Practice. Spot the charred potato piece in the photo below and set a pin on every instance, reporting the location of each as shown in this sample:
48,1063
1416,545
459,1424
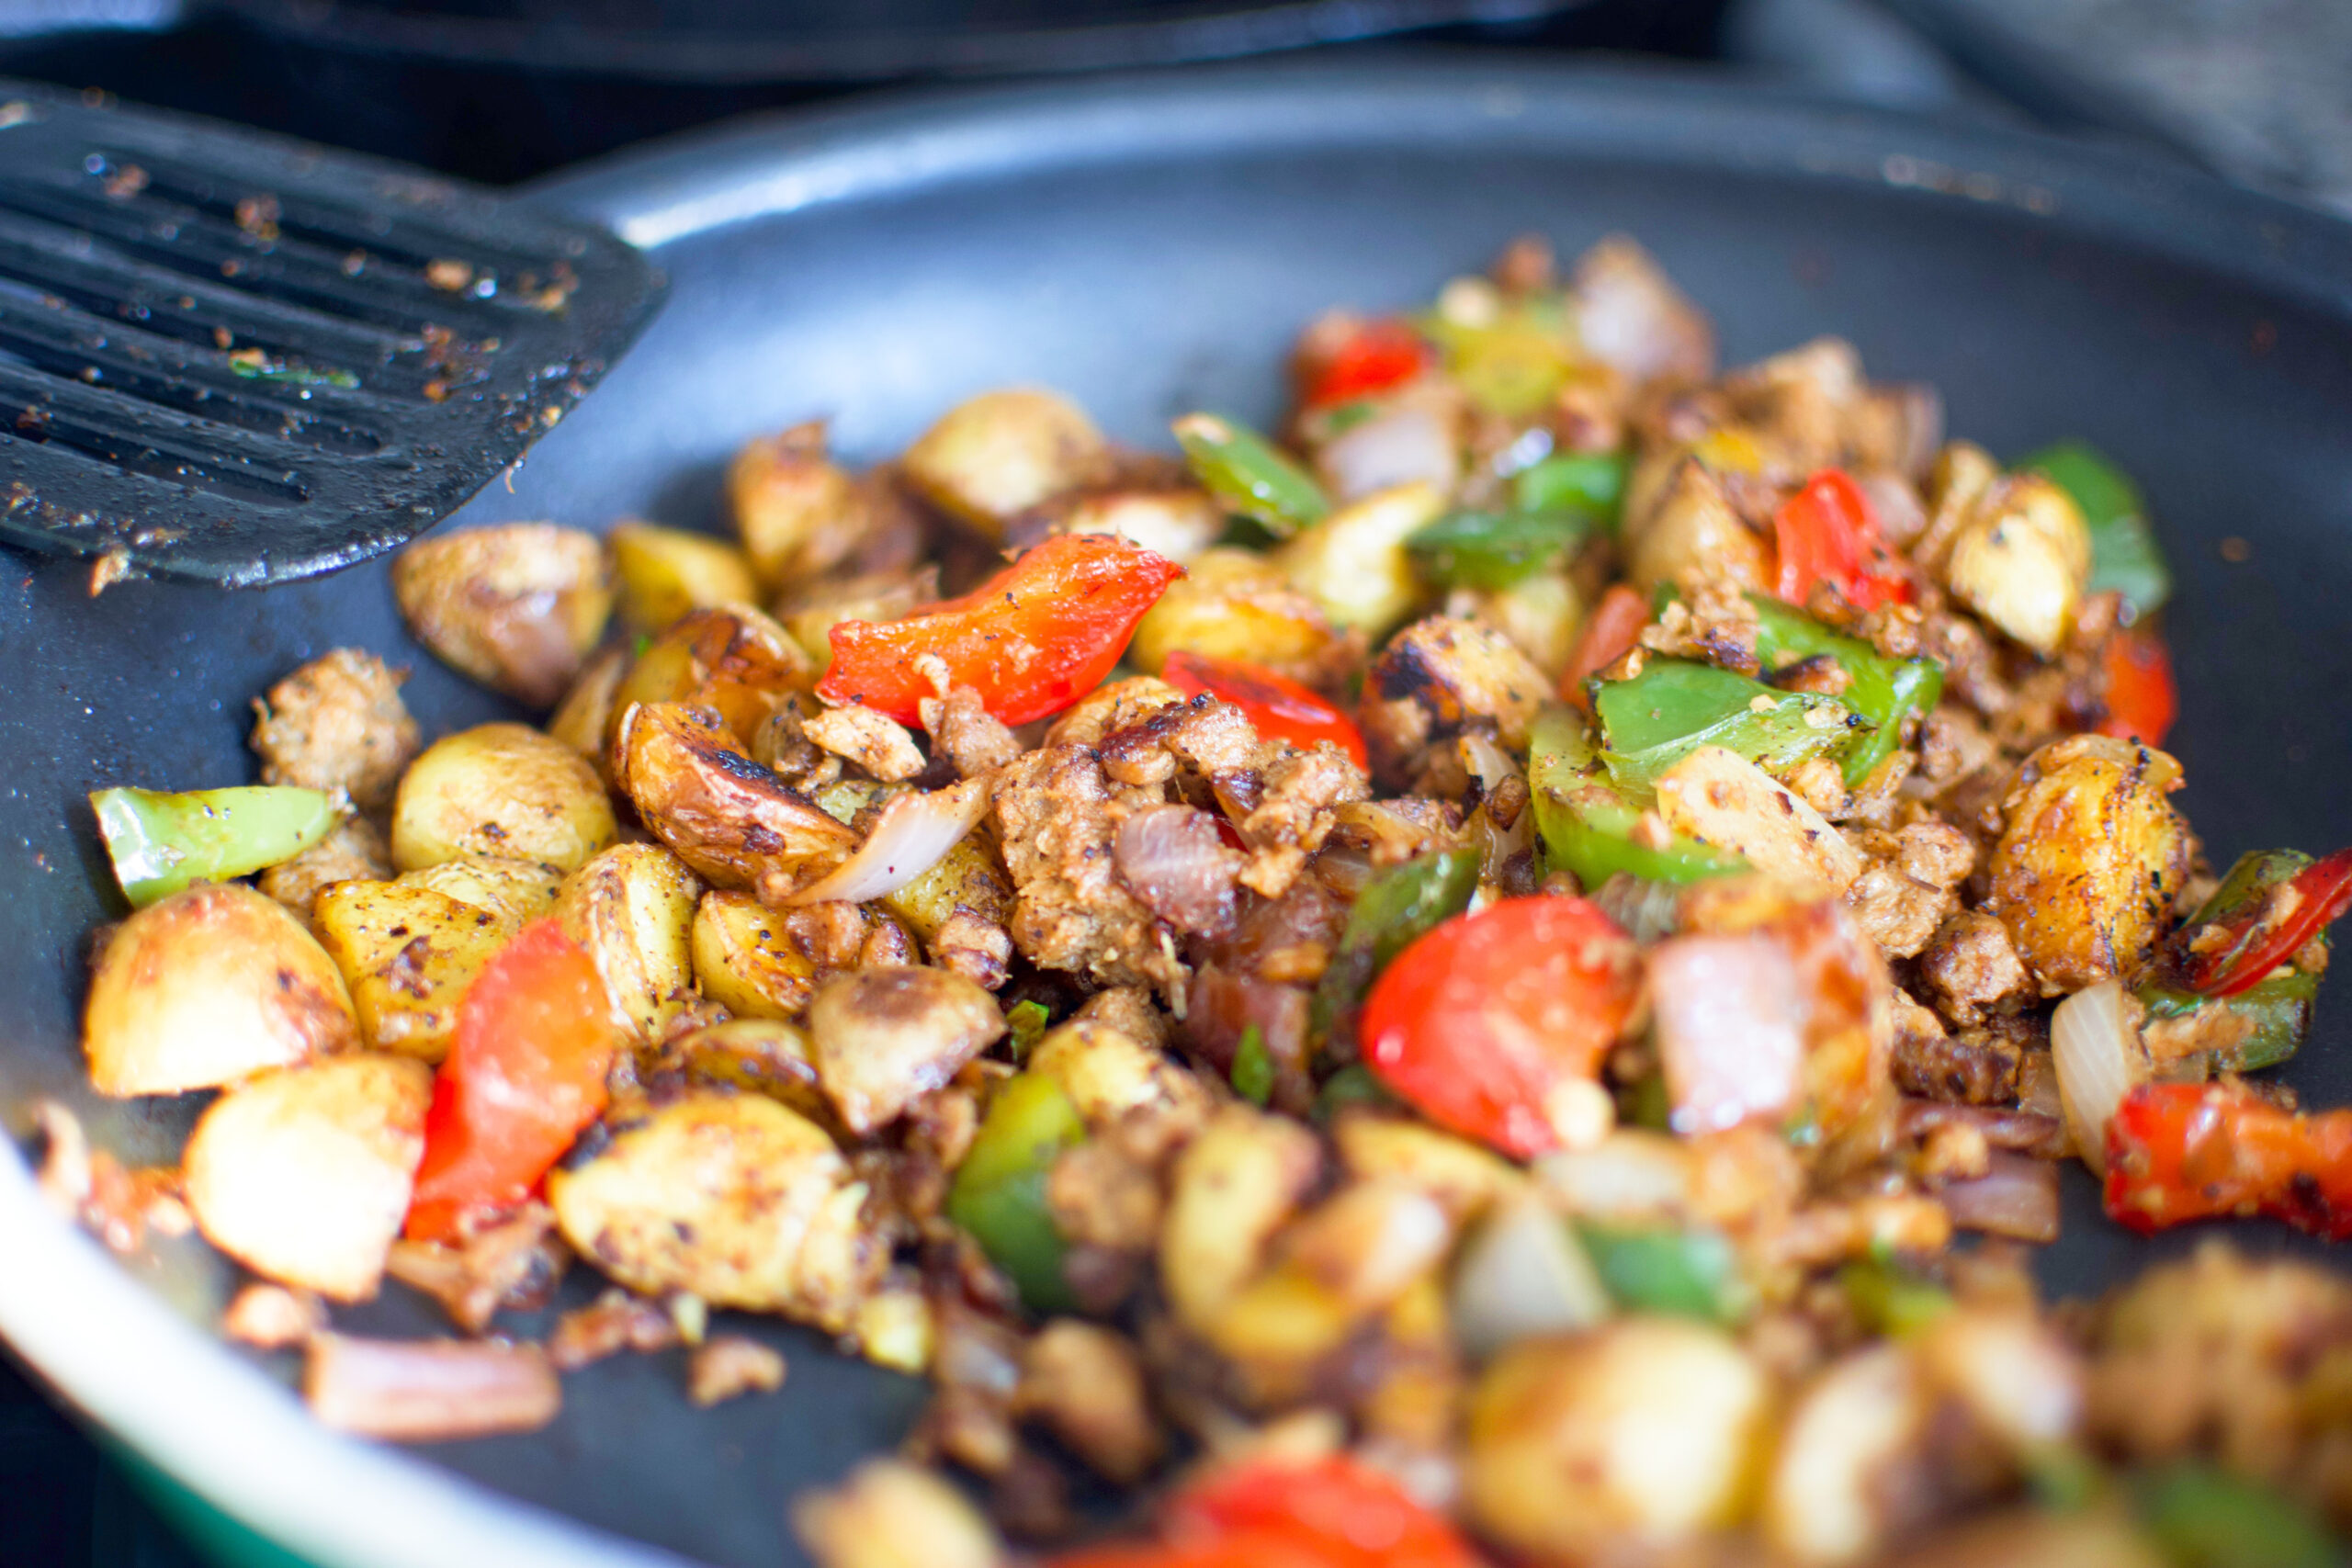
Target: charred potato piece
664,572
630,910
1353,563
1233,1186
731,658
995,455
303,1174
732,1198
745,961
760,1056
2091,859
1631,317
1851,1429
811,612
1643,1432
797,513
337,723
206,987
1437,677
734,822
501,792
884,1038
2022,559
516,606
515,891
1236,604
1107,1071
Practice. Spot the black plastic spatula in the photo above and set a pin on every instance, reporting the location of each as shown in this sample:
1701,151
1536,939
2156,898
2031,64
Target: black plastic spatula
232,358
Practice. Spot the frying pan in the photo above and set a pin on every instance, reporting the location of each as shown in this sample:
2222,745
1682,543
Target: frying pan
1150,243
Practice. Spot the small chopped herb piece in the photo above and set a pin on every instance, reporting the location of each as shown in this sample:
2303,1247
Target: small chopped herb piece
1253,1067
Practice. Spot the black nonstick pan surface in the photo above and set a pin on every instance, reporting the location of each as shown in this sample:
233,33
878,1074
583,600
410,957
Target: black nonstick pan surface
1149,244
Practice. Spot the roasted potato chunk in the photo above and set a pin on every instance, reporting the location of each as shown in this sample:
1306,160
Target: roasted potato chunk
585,720
1693,538
1540,615
664,572
630,908
1236,604
2022,559
890,1514
1440,676
303,1174
206,987
735,822
337,723
971,877
995,455
762,1055
516,606
501,792
1642,1431
731,658
797,513
1233,1186
1353,563
732,1198
2090,860
1177,523
1107,1071
1719,797
409,948
745,961
885,1037
811,612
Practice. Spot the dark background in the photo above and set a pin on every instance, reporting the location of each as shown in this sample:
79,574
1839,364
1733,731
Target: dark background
375,75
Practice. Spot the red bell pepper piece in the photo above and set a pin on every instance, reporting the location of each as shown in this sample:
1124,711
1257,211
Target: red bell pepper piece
2141,700
1482,1021
1829,533
1279,709
524,1074
1032,639
2262,938
1323,1513
1378,355
2177,1152
1615,625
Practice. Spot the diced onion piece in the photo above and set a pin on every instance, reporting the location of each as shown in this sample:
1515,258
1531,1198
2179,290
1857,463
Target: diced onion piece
429,1391
914,833
1397,448
2016,1197
1730,1021
1522,1274
2100,1060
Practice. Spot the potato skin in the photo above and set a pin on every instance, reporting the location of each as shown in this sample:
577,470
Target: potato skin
208,986
730,658
1233,1186
661,573
1645,1430
501,792
995,455
516,606
759,1055
1235,603
733,1198
2090,860
797,513
585,720
885,1037
630,908
744,960
736,823
303,1174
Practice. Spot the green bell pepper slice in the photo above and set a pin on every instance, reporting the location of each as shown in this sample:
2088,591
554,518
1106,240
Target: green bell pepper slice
1248,475
1495,549
2271,1018
2124,553
1884,692
1661,1268
1586,823
1394,907
2200,1517
1889,1299
1586,484
999,1195
1675,705
163,842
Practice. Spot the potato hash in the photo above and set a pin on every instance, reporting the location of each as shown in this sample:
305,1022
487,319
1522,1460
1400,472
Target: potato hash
1503,973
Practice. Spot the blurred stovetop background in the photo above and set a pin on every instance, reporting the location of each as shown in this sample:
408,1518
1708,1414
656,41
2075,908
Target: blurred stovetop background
2258,91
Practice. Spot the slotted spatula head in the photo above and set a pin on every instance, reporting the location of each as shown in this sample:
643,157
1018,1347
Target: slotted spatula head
232,358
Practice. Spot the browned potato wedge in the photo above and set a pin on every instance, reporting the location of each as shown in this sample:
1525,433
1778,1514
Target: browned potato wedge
744,960
2022,559
1233,1186
1107,1071
797,513
303,1174
970,876
516,606
732,1198
661,573
501,792
2091,859
1643,1432
206,987
1542,615
998,455
1355,564
732,821
731,658
1236,604
1440,675
1179,523
884,1038
812,611
410,947
584,720
761,1055
1693,537
515,891
630,908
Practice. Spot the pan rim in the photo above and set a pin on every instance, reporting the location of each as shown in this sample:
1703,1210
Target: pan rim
171,1391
